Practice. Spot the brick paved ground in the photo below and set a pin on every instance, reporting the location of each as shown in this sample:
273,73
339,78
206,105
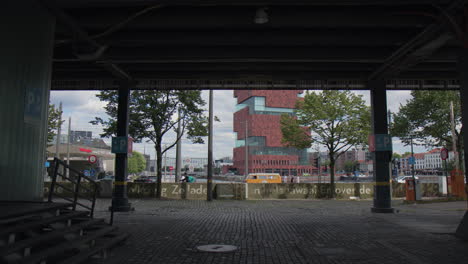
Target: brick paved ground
284,231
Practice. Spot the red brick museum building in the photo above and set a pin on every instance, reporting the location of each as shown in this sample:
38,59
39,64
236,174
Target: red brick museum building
257,115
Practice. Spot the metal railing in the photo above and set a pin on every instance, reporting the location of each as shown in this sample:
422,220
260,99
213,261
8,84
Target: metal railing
78,193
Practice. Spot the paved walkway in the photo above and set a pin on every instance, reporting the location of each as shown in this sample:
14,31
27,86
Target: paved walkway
284,231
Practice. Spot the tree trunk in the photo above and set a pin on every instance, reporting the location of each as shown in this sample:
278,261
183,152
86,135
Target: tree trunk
159,170
332,175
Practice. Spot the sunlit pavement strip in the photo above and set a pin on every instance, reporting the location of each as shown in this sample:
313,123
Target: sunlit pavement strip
285,231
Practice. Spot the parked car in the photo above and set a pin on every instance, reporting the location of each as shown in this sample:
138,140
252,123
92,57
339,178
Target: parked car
402,179
142,179
109,177
152,178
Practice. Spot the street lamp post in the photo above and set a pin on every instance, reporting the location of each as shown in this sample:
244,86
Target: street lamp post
246,150
412,168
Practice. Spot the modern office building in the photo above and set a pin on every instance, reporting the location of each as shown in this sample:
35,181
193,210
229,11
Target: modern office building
77,136
190,163
257,122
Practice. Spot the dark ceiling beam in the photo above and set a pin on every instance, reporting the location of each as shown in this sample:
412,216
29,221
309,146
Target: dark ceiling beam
244,53
83,36
422,46
191,18
257,55
128,3
280,74
318,67
298,37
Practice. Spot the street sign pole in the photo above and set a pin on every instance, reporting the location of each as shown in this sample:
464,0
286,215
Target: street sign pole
444,155
446,178
412,168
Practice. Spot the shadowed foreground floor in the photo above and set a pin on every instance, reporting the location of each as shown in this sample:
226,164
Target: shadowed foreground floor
281,231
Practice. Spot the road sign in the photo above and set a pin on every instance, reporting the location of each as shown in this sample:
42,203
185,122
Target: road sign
411,161
119,145
87,173
122,145
92,159
380,142
444,154
33,101
92,172
171,168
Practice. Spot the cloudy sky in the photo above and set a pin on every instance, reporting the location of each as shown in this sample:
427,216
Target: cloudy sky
83,106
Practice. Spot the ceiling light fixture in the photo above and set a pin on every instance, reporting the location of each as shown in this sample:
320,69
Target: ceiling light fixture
261,16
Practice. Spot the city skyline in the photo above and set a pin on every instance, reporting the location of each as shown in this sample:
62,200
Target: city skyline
83,106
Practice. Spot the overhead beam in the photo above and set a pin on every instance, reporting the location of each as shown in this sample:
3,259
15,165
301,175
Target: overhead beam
266,37
255,54
421,46
82,35
286,17
385,3
279,74
253,83
217,54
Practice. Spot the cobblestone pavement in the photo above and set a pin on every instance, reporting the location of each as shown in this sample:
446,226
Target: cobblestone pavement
286,231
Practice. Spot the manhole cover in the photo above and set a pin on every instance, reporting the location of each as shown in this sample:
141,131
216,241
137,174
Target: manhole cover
217,248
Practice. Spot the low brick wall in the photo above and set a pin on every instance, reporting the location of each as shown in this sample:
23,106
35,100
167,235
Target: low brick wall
259,191
308,191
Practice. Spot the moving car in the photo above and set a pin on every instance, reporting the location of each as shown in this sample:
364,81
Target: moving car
263,178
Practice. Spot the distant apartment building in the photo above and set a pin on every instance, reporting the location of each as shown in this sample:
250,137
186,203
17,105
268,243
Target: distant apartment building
258,133
425,161
358,155
77,136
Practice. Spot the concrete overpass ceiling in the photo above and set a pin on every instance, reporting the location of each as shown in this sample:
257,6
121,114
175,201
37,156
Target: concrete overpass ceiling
302,40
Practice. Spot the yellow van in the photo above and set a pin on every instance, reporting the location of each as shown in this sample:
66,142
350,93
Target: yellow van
263,178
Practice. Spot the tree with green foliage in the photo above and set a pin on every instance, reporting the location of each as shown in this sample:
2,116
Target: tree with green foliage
337,120
350,166
426,119
153,114
54,122
136,163
406,154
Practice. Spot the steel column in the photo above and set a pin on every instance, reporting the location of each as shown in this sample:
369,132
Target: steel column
382,192
119,198
209,185
462,230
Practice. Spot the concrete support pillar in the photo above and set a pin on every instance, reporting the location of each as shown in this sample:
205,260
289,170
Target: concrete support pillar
26,46
462,230
119,199
382,193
